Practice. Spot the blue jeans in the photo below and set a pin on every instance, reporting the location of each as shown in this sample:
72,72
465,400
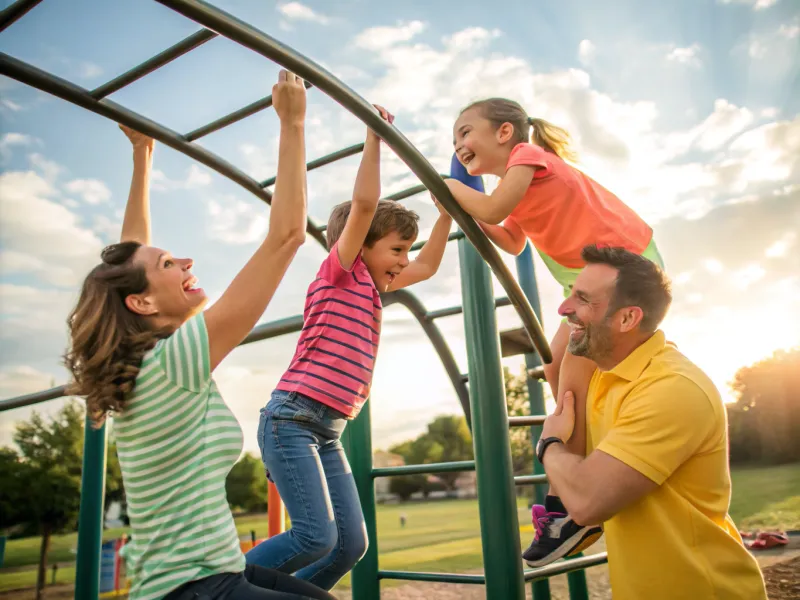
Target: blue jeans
300,447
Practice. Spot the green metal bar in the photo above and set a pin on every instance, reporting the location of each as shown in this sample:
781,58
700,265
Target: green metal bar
530,479
456,235
434,577
526,274
457,310
323,160
496,497
446,467
567,566
15,12
357,442
90,517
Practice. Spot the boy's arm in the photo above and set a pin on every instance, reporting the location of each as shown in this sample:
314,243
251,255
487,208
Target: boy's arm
492,209
366,193
509,237
429,258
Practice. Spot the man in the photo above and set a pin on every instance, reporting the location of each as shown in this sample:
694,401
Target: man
656,470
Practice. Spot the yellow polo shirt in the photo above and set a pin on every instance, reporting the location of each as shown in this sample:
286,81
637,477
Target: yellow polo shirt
661,415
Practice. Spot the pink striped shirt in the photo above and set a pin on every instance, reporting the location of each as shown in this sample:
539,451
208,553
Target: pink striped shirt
335,354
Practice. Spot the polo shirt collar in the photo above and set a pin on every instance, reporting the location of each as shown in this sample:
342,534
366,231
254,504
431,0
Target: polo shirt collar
636,362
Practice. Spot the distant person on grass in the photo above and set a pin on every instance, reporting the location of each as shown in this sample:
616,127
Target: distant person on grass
656,470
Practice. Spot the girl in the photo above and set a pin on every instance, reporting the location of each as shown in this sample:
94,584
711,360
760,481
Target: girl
561,210
142,347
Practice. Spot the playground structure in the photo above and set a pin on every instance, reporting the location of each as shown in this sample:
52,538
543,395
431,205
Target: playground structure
483,401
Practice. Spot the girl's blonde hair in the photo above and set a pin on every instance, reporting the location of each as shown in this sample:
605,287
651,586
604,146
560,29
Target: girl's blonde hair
544,134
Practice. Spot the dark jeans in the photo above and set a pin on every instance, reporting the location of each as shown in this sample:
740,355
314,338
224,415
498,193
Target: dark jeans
255,583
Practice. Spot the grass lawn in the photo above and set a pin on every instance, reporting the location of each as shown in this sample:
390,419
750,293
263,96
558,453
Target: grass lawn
445,535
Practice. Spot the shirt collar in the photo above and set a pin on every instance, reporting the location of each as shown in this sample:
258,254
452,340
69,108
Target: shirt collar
636,362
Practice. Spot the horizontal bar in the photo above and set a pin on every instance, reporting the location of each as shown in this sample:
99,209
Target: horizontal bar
456,235
198,38
457,310
426,469
79,96
34,398
566,566
232,118
530,479
526,421
250,37
15,12
323,160
432,577
537,373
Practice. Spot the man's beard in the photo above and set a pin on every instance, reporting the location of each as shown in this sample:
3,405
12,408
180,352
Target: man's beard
595,343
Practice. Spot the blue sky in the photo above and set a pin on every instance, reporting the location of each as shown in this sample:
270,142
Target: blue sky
687,109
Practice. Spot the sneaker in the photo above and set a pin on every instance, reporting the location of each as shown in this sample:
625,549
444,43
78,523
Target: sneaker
557,536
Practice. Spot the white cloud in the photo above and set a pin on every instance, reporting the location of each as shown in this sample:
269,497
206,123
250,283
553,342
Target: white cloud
93,191
781,246
234,221
376,38
34,309
712,265
296,11
195,177
769,113
789,31
720,126
756,4
88,70
9,140
586,52
685,56
50,169
12,262
36,225
747,276
756,48
11,105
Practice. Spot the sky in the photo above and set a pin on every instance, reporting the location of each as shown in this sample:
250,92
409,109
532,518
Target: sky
688,110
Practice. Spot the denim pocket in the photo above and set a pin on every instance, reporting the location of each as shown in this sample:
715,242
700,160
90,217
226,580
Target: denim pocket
296,408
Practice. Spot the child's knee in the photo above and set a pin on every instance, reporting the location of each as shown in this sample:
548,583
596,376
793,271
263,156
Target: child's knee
318,544
353,549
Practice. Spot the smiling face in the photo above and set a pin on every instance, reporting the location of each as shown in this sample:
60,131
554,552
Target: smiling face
593,330
172,296
387,258
480,147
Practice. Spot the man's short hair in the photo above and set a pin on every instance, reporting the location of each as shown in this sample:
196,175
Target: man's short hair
389,216
640,282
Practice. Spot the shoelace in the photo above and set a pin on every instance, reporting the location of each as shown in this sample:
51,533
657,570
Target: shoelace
541,521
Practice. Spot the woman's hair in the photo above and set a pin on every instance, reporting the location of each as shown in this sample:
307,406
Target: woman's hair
107,340
542,133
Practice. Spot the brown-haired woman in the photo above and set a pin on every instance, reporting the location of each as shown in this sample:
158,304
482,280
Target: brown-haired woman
143,348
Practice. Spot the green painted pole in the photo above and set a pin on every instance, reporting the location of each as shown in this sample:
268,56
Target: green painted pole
527,281
496,493
357,442
90,518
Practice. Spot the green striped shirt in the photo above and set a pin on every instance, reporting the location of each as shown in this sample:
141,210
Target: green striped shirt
177,440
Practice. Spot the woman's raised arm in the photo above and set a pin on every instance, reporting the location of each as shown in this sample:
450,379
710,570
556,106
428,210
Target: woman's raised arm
136,224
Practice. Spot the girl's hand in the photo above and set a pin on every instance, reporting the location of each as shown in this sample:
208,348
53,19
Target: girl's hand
440,208
289,98
139,140
385,115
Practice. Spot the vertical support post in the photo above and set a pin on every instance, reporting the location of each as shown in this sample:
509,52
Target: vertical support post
90,519
276,515
526,274
357,442
497,503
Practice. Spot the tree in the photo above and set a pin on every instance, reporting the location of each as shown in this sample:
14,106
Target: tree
246,485
449,439
405,486
13,481
48,471
765,419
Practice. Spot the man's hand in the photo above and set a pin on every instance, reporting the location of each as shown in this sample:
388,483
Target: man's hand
139,140
561,423
289,98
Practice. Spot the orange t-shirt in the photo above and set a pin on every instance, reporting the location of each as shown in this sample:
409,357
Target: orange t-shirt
565,210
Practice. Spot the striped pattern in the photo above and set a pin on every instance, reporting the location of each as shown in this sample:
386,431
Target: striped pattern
336,352
177,441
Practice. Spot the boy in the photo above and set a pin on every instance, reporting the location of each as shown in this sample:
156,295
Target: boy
329,378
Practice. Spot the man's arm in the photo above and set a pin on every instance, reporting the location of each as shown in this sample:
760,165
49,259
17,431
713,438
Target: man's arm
595,488
429,258
494,208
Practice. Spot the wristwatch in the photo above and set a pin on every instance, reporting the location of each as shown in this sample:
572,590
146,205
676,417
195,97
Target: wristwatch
542,445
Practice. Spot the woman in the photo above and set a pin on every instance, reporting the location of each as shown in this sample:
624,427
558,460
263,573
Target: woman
143,348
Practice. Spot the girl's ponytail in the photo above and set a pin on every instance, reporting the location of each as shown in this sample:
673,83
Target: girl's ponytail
552,138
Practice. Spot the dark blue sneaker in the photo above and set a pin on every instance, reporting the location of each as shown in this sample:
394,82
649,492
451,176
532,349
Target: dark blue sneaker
557,536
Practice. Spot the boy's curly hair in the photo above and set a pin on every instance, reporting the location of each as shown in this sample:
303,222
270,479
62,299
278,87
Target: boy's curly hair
389,216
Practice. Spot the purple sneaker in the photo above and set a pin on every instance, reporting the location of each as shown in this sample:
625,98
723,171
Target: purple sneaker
557,536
